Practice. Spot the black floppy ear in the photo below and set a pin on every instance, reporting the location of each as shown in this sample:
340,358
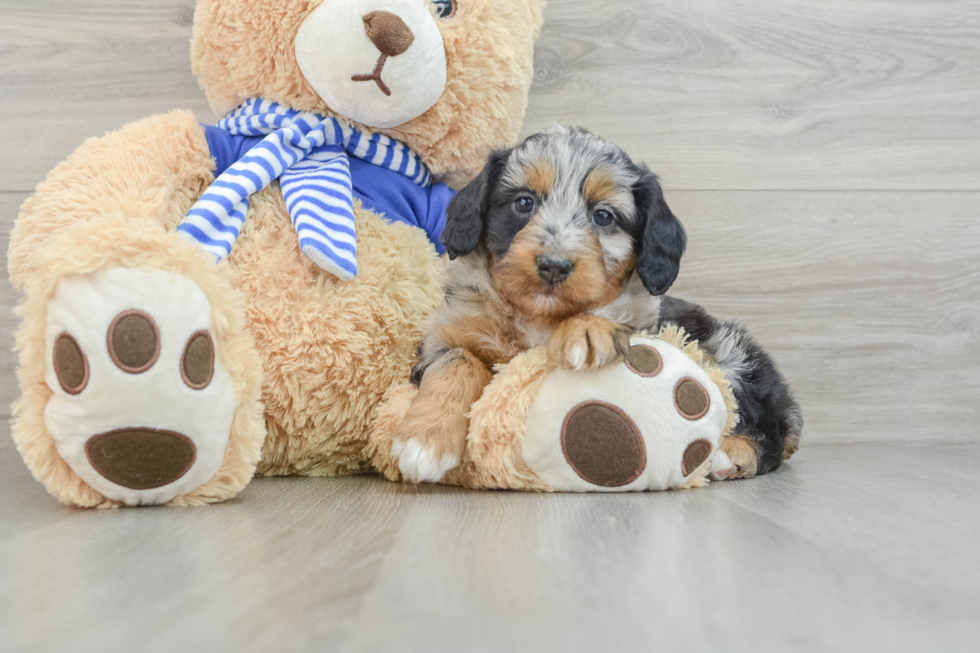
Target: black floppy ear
662,240
467,214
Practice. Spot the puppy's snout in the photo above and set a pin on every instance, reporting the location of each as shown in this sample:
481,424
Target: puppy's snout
553,269
388,32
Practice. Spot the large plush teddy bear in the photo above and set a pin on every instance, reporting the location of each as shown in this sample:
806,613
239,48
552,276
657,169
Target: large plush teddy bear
204,303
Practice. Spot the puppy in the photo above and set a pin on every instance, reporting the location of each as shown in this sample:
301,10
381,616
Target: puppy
565,242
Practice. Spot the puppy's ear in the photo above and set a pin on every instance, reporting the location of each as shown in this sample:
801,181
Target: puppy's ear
467,214
662,240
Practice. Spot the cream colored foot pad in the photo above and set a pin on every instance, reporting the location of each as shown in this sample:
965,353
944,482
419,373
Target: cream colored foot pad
142,407
652,422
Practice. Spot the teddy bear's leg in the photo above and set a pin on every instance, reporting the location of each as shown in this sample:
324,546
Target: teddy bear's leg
140,384
432,437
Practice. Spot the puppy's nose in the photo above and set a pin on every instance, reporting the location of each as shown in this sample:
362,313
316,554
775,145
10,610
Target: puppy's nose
554,270
388,32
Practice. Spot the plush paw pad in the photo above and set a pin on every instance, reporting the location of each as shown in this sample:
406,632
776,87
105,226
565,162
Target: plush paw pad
70,364
652,422
603,445
141,407
141,459
133,341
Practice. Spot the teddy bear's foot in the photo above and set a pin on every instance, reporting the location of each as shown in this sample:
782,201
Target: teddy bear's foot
652,422
142,406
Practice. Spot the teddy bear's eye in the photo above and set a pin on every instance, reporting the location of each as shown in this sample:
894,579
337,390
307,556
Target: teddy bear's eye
445,8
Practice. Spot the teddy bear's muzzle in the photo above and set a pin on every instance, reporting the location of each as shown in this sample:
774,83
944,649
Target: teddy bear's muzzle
380,63
391,36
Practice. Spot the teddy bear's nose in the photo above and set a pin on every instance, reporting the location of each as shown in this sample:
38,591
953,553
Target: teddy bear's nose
388,32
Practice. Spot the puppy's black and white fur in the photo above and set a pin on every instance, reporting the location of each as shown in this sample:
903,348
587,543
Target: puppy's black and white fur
565,242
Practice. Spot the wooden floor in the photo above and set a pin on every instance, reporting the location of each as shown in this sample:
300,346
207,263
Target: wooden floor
825,158
849,548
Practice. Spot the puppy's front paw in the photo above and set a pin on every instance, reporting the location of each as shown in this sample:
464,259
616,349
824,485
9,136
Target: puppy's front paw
588,342
736,458
427,447
421,463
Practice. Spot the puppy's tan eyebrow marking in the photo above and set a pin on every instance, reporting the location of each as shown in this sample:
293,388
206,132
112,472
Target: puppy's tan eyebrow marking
598,186
540,177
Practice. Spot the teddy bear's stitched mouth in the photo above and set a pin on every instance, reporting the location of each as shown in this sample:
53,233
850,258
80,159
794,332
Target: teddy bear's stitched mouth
391,36
375,76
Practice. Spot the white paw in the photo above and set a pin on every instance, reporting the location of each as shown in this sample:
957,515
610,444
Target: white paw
420,465
721,466
142,405
576,357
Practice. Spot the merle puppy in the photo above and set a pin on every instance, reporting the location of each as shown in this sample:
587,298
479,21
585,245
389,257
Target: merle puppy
565,242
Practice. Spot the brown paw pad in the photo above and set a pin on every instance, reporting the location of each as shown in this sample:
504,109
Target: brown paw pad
134,341
197,362
691,399
644,360
70,364
603,445
141,458
696,453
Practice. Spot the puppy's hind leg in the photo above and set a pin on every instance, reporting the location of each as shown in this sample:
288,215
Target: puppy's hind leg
431,439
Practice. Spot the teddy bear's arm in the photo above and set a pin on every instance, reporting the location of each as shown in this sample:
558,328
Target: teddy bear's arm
151,169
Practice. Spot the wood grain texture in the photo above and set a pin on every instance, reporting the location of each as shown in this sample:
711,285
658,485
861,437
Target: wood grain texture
73,70
851,94
848,548
835,94
9,389
870,302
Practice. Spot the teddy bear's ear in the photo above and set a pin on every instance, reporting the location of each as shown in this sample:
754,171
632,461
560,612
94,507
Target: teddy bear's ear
467,214
663,239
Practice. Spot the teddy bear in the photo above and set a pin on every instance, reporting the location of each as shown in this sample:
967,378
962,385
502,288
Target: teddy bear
653,421
201,304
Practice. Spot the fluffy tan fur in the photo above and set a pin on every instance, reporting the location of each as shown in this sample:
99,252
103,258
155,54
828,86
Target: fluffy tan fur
330,350
492,341
438,417
104,229
244,49
122,241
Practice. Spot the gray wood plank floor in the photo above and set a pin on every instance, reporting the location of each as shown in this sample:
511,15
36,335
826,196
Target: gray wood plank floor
847,548
825,157
796,94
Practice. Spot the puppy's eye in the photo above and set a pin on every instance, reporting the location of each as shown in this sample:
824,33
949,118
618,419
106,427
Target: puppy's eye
524,205
602,218
444,8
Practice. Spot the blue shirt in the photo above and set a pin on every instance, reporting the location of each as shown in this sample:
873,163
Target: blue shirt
393,196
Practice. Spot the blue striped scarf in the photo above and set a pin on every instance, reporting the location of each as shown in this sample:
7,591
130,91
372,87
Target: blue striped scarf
308,154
